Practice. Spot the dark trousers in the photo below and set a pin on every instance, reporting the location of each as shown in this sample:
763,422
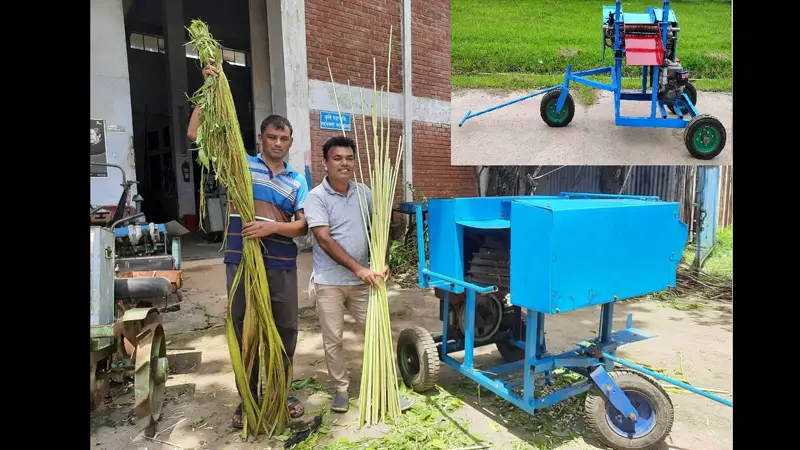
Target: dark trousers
283,296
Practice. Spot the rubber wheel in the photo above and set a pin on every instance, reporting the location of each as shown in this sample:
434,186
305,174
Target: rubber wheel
654,409
691,91
704,137
417,359
548,109
512,353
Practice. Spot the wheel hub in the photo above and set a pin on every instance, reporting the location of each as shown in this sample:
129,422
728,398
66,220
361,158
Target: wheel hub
645,419
556,116
410,360
706,139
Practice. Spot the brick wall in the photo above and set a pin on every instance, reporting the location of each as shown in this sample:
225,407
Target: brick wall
433,175
318,138
350,36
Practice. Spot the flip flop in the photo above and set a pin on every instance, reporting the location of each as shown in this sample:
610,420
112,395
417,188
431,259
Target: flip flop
237,421
296,409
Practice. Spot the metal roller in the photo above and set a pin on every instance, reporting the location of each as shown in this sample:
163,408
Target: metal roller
140,287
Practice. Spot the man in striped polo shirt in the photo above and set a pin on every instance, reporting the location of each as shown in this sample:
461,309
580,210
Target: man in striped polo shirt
279,193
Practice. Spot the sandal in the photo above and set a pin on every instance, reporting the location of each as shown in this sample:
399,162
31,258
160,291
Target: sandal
296,409
237,421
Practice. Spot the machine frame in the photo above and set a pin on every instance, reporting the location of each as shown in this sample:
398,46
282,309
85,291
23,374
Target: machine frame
610,409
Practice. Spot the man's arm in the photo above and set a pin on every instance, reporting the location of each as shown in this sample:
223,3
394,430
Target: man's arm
194,124
194,121
296,228
300,225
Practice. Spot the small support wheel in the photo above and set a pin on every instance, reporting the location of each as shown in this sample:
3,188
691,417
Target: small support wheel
417,359
704,137
653,406
548,109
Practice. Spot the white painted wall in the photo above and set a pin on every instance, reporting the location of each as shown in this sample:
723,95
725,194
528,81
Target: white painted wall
110,96
321,97
260,57
286,26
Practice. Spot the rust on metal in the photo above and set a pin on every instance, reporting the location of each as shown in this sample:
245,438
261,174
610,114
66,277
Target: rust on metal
175,277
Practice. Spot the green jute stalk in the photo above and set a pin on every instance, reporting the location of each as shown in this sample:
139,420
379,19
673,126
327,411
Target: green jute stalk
220,146
379,396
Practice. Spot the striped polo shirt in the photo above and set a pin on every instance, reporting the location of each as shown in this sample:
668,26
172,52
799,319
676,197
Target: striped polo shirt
277,198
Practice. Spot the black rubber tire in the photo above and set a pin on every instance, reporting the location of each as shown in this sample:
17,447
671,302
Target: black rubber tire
512,353
422,372
550,100
691,91
596,411
694,125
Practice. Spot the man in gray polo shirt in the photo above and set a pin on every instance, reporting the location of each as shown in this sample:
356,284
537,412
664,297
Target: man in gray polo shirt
341,275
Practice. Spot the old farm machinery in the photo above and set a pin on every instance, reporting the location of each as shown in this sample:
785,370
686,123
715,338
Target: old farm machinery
127,338
648,40
500,265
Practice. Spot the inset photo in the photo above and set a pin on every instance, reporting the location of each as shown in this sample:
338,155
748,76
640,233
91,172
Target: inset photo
592,82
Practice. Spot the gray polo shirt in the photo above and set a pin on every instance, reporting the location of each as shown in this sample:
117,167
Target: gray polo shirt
326,207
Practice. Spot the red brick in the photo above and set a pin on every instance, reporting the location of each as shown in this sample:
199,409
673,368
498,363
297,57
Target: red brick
351,34
433,175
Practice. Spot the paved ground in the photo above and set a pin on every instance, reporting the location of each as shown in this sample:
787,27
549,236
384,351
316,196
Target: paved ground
201,395
516,134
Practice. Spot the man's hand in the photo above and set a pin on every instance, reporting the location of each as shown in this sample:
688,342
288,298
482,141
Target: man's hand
209,70
370,276
258,229
385,273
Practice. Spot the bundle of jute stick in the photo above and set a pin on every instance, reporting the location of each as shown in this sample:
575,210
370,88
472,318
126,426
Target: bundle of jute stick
220,146
379,396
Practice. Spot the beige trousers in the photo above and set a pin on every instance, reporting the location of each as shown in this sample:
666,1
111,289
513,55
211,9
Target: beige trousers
331,303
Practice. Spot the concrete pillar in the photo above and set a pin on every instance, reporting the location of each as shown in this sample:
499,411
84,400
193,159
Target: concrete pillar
175,39
110,98
260,64
286,26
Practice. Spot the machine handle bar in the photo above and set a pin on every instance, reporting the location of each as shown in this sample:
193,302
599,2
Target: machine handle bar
667,379
464,284
424,271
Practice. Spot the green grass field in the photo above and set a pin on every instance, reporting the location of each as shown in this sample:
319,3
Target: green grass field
509,44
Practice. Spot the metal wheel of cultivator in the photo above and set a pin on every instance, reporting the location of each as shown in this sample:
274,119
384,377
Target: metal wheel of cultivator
150,376
99,384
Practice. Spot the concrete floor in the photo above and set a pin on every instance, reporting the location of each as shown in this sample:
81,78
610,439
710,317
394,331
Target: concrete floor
516,134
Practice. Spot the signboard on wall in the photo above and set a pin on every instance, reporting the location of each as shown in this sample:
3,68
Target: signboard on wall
331,120
98,150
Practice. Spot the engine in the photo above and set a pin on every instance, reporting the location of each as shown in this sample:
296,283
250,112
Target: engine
673,78
141,240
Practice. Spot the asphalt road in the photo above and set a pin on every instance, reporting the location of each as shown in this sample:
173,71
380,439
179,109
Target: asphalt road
516,134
